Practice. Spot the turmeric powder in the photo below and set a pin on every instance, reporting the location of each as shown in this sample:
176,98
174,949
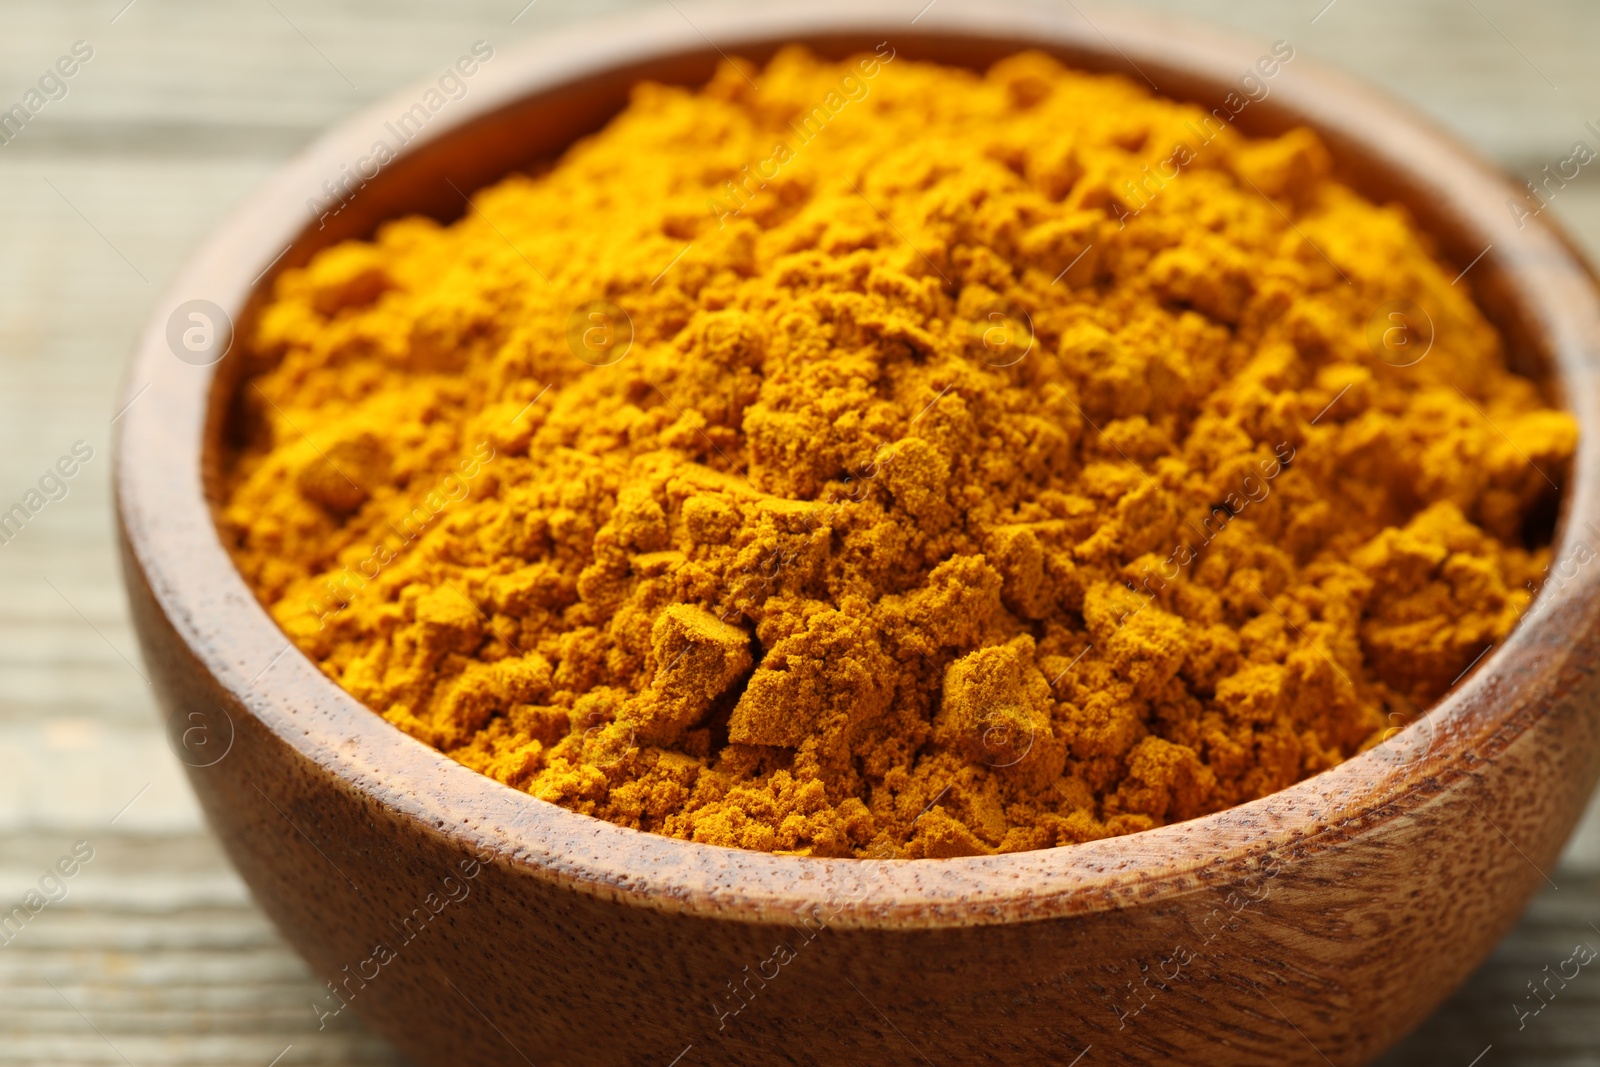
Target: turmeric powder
894,460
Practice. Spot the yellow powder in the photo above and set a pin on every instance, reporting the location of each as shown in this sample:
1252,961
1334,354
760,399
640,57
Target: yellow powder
894,460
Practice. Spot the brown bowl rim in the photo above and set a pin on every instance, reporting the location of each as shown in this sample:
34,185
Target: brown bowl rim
1548,308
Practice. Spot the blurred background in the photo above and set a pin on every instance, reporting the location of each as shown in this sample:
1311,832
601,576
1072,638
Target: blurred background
152,952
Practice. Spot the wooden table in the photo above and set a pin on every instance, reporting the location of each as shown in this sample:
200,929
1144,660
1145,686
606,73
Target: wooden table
156,954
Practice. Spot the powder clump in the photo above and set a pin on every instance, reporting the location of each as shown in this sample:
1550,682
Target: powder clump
894,461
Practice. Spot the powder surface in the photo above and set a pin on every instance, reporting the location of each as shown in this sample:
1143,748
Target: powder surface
894,460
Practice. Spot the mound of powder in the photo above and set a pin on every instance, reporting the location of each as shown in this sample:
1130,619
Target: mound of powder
894,460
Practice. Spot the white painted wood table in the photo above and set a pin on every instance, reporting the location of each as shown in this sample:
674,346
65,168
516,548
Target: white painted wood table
156,954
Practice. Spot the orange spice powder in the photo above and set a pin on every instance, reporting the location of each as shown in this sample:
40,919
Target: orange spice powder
894,460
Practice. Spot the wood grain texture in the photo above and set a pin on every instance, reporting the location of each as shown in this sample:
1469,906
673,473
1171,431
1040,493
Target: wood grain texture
186,107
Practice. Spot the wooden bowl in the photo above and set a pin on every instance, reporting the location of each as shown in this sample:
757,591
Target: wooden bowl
472,924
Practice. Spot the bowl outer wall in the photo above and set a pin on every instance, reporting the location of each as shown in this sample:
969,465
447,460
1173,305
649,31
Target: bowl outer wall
1515,742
